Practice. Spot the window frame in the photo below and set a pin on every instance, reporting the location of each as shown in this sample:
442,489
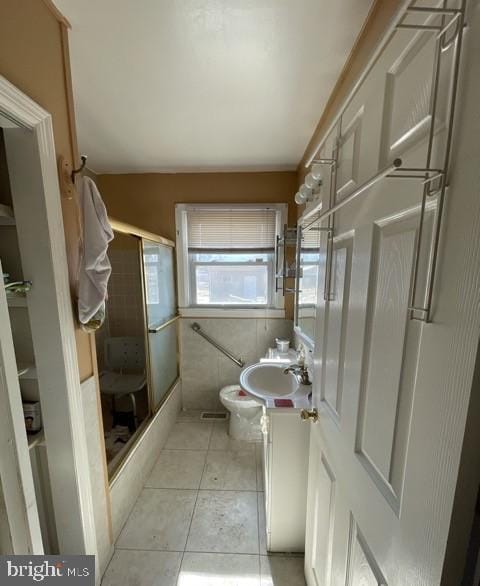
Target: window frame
270,271
186,280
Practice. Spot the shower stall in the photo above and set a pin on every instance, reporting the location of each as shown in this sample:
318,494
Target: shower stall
137,346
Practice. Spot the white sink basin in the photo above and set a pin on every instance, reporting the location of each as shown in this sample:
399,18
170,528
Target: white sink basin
267,381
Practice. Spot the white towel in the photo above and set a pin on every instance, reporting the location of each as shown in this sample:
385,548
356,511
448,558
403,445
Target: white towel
95,267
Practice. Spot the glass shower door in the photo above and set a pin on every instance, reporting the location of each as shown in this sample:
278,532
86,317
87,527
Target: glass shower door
161,313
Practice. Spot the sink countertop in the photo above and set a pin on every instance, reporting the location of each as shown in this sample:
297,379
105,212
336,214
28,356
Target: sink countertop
300,401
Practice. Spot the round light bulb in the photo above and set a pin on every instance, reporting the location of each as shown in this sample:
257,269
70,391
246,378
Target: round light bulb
305,191
299,198
316,172
310,181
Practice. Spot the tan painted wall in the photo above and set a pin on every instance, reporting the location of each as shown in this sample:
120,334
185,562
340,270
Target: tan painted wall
34,57
148,200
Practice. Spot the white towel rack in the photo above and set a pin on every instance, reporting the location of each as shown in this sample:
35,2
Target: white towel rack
434,180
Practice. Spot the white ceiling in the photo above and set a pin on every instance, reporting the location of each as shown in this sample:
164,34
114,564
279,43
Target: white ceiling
182,85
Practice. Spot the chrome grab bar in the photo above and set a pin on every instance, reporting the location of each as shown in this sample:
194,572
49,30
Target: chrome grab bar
238,361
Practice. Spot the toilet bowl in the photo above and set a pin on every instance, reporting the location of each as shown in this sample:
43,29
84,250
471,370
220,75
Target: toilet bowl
245,413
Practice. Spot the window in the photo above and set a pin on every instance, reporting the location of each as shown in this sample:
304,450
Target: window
309,266
226,255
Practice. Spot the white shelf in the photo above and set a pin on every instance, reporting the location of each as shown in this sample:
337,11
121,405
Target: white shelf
26,371
16,300
35,439
22,368
6,216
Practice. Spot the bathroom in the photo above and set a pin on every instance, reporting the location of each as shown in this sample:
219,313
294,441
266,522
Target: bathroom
239,324
235,318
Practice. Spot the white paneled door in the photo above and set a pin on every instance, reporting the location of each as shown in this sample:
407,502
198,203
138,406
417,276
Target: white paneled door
392,393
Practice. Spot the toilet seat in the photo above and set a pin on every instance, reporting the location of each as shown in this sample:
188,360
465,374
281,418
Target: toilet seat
232,393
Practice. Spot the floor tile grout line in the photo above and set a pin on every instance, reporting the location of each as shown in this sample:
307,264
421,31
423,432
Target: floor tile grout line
128,518
280,554
245,450
202,489
210,437
258,514
256,475
184,450
216,489
231,489
110,561
143,488
194,506
191,449
126,521
208,450
195,449
258,523
235,552
259,498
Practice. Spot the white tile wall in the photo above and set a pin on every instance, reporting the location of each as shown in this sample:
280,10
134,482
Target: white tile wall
204,370
98,478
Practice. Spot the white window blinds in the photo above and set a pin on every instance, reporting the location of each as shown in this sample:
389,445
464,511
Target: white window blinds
234,228
311,238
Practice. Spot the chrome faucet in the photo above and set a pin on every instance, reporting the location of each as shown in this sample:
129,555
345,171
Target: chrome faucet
300,372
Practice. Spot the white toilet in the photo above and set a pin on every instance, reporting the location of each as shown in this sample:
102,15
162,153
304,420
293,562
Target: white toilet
245,413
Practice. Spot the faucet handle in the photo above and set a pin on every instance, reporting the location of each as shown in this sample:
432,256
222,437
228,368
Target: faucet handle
300,371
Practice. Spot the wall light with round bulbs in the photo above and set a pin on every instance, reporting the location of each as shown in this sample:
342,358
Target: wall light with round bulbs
312,181
299,200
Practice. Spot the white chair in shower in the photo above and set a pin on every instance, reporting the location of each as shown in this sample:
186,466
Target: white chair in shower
125,370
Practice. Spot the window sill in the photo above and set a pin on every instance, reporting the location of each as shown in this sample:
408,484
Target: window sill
231,312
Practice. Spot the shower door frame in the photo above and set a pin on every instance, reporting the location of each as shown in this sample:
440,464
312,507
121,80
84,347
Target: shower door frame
141,235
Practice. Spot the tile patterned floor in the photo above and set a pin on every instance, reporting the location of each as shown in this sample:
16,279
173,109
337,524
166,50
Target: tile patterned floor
200,519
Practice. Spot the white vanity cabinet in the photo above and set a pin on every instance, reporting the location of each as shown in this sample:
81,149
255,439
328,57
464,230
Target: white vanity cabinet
285,460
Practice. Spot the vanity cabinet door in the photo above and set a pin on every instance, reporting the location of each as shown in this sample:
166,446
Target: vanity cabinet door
286,451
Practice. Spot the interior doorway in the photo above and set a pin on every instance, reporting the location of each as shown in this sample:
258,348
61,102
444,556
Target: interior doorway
45,507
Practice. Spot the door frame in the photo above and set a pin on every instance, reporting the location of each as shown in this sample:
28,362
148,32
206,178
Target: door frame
29,143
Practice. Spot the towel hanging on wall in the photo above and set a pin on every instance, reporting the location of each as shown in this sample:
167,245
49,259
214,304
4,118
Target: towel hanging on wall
95,267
